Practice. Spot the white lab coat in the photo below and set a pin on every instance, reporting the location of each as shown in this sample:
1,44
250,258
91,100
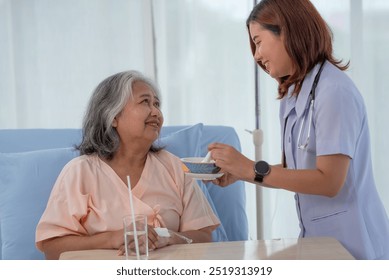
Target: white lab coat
356,216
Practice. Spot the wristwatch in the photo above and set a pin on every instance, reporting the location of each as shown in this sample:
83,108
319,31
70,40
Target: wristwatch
261,169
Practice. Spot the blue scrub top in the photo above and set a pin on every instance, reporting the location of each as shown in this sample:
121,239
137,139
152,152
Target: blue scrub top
355,216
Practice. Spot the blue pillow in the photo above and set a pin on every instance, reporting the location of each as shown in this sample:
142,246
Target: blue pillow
184,142
26,180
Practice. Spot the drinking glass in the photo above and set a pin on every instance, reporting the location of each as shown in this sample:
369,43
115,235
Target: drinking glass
136,244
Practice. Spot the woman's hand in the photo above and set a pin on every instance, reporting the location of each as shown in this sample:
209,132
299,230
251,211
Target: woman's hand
225,180
116,238
53,247
233,164
152,241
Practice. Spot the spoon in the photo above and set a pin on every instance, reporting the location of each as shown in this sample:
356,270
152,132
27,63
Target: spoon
207,158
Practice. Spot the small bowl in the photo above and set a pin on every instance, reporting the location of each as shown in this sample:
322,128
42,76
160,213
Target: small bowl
195,165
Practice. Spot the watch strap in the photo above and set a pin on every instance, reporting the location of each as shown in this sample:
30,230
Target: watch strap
258,178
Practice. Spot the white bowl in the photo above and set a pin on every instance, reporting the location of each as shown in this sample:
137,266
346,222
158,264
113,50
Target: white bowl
195,165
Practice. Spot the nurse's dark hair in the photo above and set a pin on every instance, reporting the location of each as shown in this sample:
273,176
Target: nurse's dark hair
307,37
107,101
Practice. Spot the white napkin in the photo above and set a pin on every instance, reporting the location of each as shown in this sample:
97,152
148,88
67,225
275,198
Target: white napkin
162,232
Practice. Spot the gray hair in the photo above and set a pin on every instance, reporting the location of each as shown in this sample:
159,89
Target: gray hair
107,101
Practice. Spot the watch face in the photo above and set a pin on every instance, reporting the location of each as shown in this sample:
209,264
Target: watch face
262,168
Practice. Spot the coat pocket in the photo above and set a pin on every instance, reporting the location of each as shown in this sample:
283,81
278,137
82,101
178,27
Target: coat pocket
329,215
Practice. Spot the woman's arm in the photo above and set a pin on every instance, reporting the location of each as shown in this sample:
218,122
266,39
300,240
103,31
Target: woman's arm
327,179
196,236
53,247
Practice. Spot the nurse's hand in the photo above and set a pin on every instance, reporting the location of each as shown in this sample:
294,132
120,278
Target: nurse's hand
233,164
225,180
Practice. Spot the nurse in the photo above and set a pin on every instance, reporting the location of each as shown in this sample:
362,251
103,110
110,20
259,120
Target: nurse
325,135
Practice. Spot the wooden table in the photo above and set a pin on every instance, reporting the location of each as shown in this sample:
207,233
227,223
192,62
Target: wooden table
275,249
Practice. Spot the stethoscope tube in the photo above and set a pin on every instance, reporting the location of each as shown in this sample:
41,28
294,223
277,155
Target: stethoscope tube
312,95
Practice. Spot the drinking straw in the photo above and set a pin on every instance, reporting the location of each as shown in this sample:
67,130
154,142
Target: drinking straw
133,218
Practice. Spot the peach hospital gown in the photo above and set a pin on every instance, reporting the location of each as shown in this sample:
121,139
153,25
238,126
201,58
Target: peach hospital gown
89,197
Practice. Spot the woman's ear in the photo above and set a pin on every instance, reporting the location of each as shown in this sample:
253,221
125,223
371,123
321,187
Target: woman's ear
114,122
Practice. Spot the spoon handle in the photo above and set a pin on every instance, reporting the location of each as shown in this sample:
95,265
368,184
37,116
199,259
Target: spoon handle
207,158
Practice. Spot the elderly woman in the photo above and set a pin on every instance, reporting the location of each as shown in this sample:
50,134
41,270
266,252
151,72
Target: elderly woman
91,194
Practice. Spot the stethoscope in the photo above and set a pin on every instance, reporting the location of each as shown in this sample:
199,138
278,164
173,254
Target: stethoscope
304,145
